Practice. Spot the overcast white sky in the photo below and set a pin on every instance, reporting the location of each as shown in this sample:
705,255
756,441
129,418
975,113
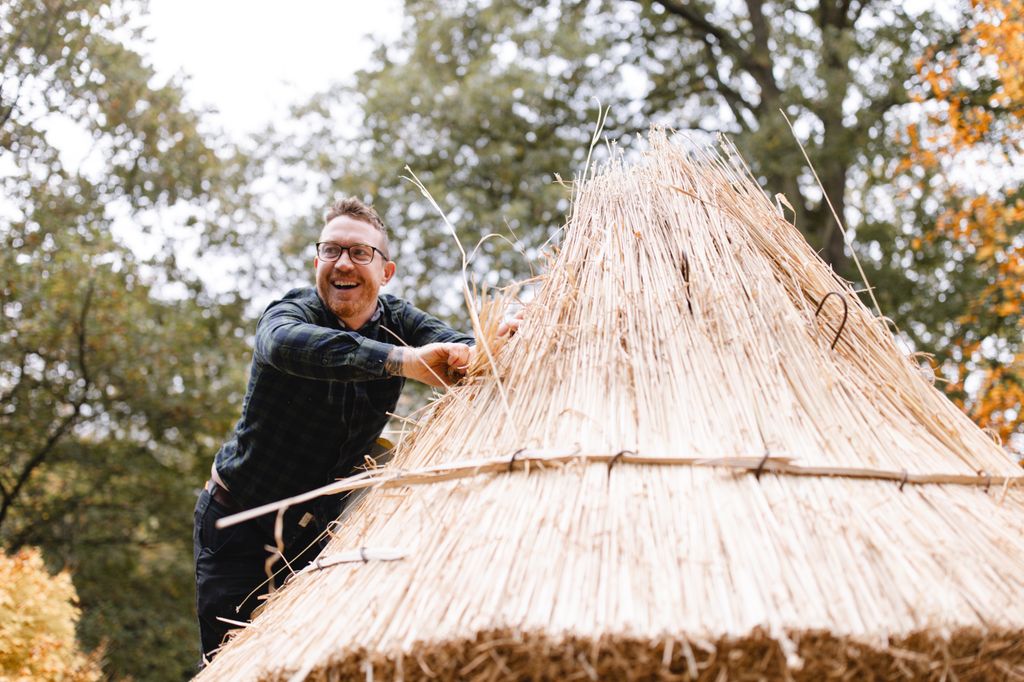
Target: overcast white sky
251,59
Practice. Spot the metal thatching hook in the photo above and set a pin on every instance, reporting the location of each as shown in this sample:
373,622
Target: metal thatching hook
760,467
512,459
616,457
904,481
846,313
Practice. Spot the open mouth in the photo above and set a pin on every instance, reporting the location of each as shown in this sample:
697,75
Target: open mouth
344,285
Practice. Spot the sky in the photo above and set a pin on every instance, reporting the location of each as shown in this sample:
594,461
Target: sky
248,61
251,59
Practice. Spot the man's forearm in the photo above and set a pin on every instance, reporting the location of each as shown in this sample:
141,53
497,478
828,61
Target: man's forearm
298,347
435,364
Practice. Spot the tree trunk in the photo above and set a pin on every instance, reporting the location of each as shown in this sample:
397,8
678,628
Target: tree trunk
833,179
838,143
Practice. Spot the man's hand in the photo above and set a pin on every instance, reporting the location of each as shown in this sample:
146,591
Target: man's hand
511,326
436,364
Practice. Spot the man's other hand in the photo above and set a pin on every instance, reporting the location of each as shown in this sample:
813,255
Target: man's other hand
511,325
436,364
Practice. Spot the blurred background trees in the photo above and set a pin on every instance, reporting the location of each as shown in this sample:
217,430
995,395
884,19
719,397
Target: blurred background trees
480,98
960,170
119,373
121,369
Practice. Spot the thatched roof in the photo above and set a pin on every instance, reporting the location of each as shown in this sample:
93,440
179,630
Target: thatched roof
686,480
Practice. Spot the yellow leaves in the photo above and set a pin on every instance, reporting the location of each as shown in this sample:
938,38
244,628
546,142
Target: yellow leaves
992,228
976,125
1001,400
1008,308
914,133
37,624
991,49
904,165
928,159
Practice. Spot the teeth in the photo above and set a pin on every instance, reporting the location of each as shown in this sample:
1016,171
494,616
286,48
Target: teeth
344,285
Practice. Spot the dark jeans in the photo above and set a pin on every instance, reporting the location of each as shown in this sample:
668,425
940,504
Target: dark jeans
230,563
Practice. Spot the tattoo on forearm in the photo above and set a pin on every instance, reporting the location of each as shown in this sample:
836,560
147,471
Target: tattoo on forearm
395,360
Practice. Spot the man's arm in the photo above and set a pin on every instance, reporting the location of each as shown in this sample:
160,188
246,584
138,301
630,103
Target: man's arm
422,361
289,342
423,328
436,364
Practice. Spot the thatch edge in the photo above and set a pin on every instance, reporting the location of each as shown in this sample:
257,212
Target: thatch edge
969,654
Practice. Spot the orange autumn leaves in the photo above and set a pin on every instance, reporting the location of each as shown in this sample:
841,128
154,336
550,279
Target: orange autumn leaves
969,146
38,613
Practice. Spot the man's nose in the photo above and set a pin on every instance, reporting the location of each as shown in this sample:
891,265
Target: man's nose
344,261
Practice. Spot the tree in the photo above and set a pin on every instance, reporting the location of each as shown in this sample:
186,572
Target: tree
487,102
959,175
484,130
37,623
119,375
839,68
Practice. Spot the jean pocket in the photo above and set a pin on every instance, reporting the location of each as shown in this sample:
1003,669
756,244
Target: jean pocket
211,537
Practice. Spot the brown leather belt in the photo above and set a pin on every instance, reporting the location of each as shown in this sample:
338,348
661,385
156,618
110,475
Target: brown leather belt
221,495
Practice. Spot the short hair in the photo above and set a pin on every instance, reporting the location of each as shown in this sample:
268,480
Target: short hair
354,208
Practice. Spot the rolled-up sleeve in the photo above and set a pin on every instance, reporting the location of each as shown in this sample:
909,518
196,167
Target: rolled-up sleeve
287,341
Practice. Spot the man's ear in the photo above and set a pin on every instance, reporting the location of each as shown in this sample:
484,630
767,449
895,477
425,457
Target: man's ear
316,263
389,271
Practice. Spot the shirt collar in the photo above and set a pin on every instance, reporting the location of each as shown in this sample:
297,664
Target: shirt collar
373,318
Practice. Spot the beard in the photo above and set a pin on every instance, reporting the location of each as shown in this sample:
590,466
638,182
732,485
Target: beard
349,303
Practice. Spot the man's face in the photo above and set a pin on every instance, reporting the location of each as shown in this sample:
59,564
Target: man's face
350,289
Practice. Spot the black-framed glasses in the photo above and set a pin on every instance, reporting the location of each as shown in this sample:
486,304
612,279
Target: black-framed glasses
362,254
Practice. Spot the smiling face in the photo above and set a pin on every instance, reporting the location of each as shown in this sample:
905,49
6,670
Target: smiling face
349,289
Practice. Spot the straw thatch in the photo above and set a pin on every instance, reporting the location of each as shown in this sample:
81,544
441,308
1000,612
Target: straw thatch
686,481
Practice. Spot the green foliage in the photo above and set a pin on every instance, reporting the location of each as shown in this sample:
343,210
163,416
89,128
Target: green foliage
487,102
485,105
838,70
119,376
65,59
118,401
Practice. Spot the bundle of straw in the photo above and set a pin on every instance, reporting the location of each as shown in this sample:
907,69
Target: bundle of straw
688,481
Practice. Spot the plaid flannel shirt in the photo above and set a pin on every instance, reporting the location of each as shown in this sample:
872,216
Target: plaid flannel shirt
318,395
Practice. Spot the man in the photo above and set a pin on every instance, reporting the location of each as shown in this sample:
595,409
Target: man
328,365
